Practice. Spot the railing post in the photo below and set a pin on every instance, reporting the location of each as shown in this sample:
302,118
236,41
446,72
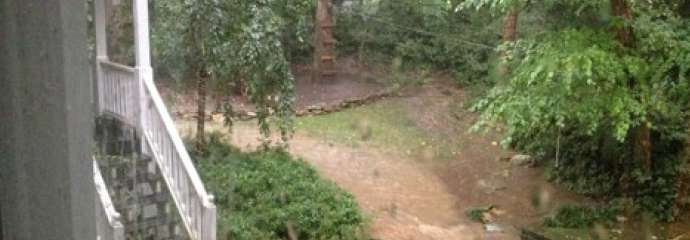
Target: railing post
209,220
143,60
101,49
141,33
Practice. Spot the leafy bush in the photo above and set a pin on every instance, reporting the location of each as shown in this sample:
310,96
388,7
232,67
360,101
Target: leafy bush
271,195
572,216
577,95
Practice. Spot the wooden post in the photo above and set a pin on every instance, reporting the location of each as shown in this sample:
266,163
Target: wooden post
100,20
141,33
100,24
143,60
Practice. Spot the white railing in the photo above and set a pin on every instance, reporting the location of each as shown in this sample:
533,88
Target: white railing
164,143
108,225
118,90
141,105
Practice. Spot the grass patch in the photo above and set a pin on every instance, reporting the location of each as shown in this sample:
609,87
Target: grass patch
383,124
568,233
387,125
272,195
575,216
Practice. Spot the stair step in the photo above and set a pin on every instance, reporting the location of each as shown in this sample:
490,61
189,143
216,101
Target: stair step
161,197
329,73
122,163
157,221
127,182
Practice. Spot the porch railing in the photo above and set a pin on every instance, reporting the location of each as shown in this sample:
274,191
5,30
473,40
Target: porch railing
108,225
164,143
131,95
118,91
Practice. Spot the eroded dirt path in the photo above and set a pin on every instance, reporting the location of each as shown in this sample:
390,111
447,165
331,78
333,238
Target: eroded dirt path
405,200
417,196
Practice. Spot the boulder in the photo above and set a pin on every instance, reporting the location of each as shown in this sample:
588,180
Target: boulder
521,160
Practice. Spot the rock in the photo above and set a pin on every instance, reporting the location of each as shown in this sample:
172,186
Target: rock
330,108
621,219
495,211
491,186
317,107
522,160
487,217
493,228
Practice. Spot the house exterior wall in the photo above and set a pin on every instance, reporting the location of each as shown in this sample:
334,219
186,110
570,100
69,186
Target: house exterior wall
46,119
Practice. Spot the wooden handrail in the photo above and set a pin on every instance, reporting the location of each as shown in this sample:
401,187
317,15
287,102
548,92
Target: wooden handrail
177,141
108,224
116,66
160,134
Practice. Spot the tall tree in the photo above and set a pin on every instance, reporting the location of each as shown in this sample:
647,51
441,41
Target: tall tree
198,40
225,42
642,142
510,24
511,11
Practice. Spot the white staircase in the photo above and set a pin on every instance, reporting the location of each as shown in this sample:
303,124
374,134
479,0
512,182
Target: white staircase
130,95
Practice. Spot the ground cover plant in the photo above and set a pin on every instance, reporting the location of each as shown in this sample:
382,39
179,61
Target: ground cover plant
270,194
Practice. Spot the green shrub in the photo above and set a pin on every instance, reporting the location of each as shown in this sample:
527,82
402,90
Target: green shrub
477,213
569,98
270,195
572,216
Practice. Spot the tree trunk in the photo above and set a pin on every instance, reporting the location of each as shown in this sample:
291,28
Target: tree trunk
683,199
201,110
642,143
642,148
510,24
324,42
624,34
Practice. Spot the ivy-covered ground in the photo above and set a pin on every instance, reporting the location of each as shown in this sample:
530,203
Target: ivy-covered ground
273,195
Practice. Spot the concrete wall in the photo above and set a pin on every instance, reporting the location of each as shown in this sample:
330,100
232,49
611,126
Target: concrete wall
46,179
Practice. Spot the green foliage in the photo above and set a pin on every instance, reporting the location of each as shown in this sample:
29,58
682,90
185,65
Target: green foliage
572,216
430,34
271,84
658,193
238,42
575,94
270,194
570,77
